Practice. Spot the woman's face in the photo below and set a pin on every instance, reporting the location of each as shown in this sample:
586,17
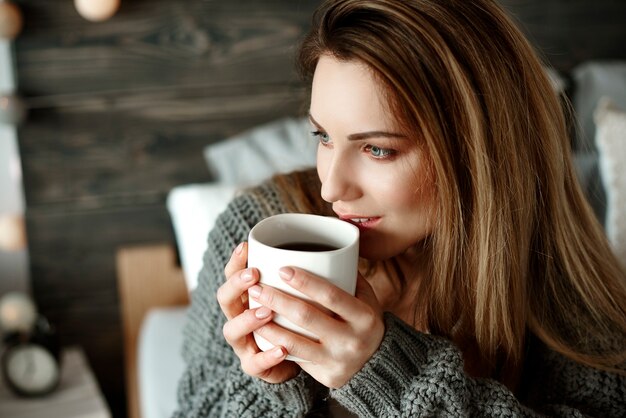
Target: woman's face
375,176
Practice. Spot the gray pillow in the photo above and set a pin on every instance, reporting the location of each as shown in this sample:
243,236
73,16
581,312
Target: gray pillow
248,158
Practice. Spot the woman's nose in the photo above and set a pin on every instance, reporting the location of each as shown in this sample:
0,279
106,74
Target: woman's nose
338,181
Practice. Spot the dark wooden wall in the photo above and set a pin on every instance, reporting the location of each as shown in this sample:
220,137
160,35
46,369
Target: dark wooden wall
565,34
568,32
121,110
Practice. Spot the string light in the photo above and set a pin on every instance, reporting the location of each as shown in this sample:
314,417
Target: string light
10,20
97,10
12,233
17,312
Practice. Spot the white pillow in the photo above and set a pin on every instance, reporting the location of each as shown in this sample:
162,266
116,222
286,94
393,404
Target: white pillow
277,147
611,144
193,209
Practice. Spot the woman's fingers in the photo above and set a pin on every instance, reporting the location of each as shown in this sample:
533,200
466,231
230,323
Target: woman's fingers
237,330
232,295
325,293
295,344
238,260
304,314
261,364
268,365
346,340
347,344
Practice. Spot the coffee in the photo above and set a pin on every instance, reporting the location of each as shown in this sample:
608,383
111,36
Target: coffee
306,246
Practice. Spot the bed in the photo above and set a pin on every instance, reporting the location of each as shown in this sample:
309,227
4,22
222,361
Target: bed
153,320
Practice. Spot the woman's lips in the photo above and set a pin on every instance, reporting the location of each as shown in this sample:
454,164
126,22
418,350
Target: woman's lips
360,221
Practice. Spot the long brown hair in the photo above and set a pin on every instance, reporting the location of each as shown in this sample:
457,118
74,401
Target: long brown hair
516,246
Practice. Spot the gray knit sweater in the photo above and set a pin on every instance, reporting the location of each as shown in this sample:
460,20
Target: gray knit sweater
411,374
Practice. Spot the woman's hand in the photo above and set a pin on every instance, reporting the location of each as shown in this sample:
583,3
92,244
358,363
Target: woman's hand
348,335
233,299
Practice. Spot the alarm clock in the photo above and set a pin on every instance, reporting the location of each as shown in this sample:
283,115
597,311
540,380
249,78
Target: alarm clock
30,361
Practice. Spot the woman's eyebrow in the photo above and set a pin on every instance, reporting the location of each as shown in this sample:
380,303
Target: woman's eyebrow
362,135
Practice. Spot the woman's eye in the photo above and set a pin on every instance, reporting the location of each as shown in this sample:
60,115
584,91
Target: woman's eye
378,152
321,136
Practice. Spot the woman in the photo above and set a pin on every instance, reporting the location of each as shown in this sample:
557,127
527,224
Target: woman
487,287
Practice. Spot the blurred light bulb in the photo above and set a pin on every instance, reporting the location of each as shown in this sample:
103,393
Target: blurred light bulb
17,312
10,20
96,10
12,233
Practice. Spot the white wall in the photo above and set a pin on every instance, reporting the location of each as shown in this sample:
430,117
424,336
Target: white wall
13,265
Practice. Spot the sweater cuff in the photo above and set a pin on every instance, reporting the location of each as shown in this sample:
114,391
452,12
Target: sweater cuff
296,395
377,388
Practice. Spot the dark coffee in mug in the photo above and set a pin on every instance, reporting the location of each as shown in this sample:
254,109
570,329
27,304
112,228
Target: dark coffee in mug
306,246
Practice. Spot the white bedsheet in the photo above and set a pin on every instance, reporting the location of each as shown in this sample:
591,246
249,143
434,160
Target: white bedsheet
160,363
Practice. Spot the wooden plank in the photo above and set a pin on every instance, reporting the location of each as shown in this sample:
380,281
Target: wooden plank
148,277
568,32
99,151
159,43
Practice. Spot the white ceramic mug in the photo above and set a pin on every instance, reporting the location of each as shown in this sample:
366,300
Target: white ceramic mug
312,233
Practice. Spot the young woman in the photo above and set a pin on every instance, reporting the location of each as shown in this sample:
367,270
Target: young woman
487,285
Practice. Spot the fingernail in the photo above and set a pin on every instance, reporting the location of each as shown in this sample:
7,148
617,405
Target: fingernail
247,275
278,352
255,291
239,248
286,273
263,312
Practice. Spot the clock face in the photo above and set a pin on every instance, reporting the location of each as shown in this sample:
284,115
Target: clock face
31,369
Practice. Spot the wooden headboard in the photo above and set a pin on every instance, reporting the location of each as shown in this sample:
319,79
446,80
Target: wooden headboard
140,268
121,110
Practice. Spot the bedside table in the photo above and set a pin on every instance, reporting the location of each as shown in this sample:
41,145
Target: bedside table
77,395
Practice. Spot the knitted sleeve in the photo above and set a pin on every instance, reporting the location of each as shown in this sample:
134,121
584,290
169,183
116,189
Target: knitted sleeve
414,374
213,383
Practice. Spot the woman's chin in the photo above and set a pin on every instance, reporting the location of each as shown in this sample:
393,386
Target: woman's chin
374,254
